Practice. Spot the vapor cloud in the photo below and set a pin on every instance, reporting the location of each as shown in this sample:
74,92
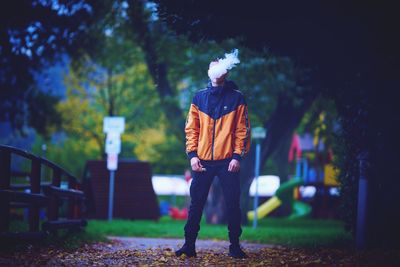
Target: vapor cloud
217,70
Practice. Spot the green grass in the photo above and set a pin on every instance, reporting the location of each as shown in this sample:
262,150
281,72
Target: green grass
279,231
299,233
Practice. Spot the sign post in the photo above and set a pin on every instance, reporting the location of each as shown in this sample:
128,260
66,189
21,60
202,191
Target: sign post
257,134
113,127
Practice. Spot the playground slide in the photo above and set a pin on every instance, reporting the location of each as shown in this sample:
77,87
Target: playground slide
300,210
266,208
283,194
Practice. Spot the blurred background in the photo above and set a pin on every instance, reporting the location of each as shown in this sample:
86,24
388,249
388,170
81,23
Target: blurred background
321,80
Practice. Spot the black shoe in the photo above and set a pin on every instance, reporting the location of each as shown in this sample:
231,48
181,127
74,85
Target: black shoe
235,251
188,250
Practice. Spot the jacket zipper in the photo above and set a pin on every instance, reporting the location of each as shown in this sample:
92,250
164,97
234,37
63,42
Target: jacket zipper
212,144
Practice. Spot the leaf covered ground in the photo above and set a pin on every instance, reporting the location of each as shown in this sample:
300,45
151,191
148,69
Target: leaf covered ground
116,253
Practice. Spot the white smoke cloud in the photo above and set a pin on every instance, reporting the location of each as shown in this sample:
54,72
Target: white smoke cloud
224,65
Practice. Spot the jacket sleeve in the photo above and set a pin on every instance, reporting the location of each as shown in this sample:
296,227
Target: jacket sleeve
242,133
192,130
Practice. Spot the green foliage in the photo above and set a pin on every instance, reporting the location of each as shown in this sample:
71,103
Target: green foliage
70,153
110,82
321,117
115,78
269,168
347,164
43,115
172,158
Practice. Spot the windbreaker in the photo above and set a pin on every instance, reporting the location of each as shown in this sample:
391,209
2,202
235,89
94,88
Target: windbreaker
217,125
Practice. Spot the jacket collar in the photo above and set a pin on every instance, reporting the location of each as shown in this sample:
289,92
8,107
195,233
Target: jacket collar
216,90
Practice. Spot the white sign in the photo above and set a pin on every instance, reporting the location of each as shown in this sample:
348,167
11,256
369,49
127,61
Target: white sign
114,124
112,162
113,143
258,133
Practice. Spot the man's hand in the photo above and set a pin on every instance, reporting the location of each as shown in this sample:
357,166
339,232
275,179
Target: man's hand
196,164
234,165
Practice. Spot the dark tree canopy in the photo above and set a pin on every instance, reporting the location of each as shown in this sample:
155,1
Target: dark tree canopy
32,33
352,50
354,36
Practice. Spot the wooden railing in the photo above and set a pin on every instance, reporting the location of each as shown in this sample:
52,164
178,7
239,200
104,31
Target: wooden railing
48,195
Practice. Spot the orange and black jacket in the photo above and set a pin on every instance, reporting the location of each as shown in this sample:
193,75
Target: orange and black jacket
217,125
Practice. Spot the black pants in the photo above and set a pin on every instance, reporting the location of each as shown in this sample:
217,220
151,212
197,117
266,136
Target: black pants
198,192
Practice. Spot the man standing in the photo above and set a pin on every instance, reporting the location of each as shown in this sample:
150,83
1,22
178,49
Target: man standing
217,137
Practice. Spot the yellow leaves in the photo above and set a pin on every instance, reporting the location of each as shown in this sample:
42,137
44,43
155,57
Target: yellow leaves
146,141
93,92
162,259
183,84
169,253
101,254
79,117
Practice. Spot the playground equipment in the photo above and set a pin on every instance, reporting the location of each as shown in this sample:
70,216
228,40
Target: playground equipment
173,186
314,180
178,214
309,179
284,194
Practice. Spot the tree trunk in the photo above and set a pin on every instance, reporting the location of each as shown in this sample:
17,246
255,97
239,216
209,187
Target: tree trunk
157,68
280,157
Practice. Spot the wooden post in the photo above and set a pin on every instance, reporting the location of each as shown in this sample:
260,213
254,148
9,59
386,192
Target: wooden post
53,205
35,189
5,180
78,203
71,201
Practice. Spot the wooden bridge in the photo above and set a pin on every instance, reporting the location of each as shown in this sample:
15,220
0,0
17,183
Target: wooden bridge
40,194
